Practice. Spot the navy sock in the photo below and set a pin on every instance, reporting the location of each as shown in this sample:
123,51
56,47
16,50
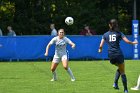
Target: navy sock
124,81
117,75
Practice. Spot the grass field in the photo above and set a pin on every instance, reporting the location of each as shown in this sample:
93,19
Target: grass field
91,77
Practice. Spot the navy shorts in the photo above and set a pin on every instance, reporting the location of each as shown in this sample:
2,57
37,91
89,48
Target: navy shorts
116,59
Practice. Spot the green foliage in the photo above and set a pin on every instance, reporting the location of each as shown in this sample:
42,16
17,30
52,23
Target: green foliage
7,10
32,17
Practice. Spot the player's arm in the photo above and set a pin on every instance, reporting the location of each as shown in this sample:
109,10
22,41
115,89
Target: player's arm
48,46
128,41
101,45
47,49
72,44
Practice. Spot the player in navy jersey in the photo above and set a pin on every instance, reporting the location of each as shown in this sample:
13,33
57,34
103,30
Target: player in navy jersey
113,38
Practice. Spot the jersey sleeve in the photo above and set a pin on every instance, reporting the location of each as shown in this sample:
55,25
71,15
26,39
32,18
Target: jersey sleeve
52,41
122,35
103,37
67,40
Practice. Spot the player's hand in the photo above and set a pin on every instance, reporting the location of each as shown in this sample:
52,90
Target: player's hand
100,50
46,54
135,42
73,46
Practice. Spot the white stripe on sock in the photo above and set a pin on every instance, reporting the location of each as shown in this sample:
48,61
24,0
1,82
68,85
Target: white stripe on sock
138,82
54,75
70,73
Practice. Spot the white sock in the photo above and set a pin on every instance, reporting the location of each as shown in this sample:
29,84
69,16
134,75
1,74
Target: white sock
70,73
138,82
54,75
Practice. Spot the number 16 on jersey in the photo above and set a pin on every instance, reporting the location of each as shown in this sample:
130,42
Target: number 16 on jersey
112,38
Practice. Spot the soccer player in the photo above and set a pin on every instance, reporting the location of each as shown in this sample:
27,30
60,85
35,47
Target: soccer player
138,85
60,42
112,38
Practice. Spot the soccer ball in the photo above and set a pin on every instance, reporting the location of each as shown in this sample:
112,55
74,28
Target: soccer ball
69,20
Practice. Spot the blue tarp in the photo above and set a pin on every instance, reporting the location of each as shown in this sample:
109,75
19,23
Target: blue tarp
33,47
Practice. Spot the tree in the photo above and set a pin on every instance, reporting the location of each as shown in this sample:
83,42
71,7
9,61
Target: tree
32,17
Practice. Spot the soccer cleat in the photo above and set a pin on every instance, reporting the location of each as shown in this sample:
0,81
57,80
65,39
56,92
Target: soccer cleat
73,79
135,88
115,86
53,80
125,91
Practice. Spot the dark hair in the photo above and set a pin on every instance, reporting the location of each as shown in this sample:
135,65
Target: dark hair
113,25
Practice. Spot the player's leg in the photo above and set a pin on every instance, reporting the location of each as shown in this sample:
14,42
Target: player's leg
138,82
117,74
138,85
65,65
123,76
53,68
54,65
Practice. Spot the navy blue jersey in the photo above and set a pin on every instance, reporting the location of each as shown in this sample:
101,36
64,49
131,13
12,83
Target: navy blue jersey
113,38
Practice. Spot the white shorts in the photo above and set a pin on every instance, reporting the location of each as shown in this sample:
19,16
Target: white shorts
57,59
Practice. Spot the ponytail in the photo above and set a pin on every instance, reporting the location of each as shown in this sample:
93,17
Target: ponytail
113,25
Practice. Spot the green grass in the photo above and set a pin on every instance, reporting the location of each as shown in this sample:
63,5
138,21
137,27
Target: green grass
91,77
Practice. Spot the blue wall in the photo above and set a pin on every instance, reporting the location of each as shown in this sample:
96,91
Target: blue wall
33,47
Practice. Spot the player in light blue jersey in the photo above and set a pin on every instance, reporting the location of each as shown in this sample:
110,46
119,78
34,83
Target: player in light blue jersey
113,38
60,42
137,87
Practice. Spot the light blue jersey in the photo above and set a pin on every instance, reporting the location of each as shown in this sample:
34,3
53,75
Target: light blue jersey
60,45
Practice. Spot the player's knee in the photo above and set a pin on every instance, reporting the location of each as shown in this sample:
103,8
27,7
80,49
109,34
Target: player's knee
52,69
65,67
122,72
